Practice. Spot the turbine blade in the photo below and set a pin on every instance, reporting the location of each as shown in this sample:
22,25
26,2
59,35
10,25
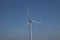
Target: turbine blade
34,21
19,28
25,25
28,13
18,32
22,28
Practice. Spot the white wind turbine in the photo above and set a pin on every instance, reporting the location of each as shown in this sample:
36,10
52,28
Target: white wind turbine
30,21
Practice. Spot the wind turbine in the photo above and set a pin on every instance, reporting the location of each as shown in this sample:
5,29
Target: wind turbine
30,21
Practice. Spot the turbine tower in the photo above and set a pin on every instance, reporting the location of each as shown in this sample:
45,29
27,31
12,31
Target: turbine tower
30,22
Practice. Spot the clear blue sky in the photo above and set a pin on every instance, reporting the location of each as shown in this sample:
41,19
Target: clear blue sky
13,14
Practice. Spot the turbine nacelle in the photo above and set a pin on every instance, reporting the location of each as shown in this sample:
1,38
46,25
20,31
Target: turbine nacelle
29,20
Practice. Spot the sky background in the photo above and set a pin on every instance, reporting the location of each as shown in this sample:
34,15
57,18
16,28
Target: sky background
13,15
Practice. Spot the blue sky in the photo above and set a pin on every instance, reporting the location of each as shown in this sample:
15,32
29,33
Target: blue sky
13,15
